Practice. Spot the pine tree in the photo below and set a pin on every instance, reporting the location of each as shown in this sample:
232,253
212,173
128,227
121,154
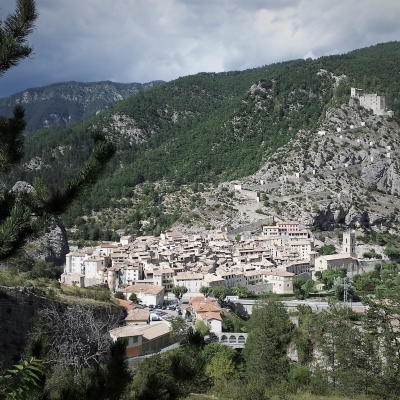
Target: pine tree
24,215
266,348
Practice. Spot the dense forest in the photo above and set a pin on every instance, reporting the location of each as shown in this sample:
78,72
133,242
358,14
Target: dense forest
67,103
205,128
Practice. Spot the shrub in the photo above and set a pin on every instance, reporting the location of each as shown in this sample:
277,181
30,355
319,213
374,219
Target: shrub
119,295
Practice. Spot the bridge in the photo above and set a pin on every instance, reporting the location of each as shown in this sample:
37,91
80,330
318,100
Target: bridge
235,340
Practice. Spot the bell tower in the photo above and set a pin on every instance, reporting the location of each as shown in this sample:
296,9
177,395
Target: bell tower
349,243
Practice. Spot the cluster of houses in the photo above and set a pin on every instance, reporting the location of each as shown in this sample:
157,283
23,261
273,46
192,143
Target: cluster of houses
145,335
150,266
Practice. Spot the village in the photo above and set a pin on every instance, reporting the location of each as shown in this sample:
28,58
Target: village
151,266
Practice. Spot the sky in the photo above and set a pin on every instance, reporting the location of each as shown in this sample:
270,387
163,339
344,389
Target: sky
145,40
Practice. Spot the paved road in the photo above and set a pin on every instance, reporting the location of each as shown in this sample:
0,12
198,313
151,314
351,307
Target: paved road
314,304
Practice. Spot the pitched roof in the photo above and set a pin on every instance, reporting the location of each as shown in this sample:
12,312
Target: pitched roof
279,272
146,288
212,315
203,304
128,305
148,332
138,314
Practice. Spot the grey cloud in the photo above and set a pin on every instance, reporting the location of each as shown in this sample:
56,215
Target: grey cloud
143,40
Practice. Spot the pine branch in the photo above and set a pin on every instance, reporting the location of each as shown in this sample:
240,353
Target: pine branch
13,33
12,140
83,180
18,381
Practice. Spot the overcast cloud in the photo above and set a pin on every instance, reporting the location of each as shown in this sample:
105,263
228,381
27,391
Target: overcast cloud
145,40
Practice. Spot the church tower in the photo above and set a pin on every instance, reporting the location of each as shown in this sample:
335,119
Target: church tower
349,243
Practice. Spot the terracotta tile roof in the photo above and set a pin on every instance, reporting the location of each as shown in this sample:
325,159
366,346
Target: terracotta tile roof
124,331
148,332
128,305
146,288
138,314
202,304
211,315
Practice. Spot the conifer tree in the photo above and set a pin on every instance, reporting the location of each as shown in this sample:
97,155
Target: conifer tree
26,214
266,347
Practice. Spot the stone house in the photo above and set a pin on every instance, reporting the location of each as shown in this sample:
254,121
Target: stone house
146,293
144,339
282,281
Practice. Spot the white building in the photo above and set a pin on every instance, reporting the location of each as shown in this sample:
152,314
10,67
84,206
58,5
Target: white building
191,280
146,293
282,281
371,101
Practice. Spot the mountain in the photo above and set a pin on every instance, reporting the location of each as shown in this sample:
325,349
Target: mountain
67,103
189,135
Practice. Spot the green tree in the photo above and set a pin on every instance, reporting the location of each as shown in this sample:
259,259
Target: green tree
117,371
267,344
220,370
298,290
327,250
205,291
17,382
348,355
220,292
25,214
308,287
179,291
179,330
202,327
241,291
119,295
171,375
133,298
392,252
381,320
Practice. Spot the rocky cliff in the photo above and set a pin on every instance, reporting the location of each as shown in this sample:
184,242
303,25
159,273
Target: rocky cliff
52,245
346,173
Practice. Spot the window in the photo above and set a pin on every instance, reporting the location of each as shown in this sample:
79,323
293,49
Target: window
135,339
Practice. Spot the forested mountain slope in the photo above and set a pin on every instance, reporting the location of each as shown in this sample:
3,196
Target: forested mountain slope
67,103
207,127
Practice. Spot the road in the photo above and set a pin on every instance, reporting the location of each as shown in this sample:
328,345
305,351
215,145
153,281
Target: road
314,304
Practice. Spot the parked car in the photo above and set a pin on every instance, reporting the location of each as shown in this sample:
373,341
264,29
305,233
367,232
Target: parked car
159,306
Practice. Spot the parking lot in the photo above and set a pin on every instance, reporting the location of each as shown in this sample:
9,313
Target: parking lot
168,311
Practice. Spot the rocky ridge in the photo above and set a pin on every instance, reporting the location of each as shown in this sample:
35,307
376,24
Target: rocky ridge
332,178
66,103
347,173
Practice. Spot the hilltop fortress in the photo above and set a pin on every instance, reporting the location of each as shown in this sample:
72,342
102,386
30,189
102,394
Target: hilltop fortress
370,101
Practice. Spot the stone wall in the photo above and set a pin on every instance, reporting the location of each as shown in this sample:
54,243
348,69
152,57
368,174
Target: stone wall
18,307
261,288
